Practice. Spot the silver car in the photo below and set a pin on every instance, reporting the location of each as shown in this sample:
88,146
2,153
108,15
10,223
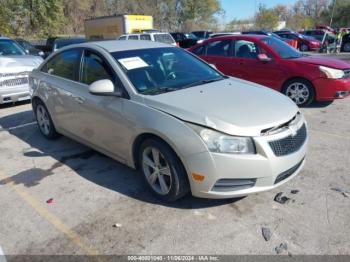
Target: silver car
15,64
164,111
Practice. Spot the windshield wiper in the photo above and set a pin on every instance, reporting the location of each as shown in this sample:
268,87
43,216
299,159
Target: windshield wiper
202,82
157,91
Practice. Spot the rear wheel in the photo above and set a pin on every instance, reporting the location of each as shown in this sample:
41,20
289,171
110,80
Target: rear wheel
300,91
163,171
44,121
346,47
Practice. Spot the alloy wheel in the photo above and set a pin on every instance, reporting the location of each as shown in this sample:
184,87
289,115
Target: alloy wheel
157,170
43,119
298,92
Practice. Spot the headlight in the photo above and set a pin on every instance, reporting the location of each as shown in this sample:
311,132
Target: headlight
332,73
222,143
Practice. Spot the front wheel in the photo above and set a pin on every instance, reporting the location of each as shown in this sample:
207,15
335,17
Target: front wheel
300,91
163,171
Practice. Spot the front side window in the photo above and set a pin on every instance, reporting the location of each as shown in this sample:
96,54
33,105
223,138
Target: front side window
94,68
246,49
158,70
145,37
9,47
64,64
219,48
199,50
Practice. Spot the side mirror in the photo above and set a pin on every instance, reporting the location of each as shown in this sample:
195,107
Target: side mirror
264,58
104,87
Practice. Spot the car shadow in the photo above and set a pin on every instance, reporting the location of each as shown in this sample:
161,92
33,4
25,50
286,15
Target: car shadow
86,163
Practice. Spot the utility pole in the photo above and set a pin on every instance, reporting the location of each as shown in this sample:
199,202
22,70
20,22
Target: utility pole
334,3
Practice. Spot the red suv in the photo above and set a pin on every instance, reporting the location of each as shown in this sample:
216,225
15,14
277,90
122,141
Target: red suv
273,63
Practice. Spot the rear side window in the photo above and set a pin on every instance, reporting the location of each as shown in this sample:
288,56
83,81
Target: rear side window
133,37
145,37
219,48
163,38
64,64
94,68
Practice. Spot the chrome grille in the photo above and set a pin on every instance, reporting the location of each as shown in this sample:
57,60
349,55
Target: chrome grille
290,144
14,82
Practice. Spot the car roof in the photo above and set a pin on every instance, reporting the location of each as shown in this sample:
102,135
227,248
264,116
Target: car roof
116,45
4,38
246,36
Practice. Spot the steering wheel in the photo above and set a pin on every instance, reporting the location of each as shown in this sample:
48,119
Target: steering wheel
174,74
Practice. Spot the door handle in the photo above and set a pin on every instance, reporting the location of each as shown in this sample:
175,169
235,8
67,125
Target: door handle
79,99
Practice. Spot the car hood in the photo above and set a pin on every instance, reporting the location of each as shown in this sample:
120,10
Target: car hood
324,61
19,63
232,106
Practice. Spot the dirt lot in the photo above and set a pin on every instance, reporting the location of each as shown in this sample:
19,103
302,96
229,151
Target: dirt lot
91,193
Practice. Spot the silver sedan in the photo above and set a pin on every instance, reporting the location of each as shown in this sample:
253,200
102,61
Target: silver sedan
164,111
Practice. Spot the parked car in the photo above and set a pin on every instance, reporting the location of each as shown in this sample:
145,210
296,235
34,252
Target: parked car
183,41
346,43
15,64
305,43
273,63
55,43
29,48
162,110
155,37
318,34
202,34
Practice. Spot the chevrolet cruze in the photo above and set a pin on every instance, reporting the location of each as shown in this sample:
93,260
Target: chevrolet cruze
160,109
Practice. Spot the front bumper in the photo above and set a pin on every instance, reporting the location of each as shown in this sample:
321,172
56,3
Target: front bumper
330,89
264,168
14,94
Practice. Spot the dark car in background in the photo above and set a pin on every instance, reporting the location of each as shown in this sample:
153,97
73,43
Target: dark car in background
202,34
184,41
55,43
305,43
29,48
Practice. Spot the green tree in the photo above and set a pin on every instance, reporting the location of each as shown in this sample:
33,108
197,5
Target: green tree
266,19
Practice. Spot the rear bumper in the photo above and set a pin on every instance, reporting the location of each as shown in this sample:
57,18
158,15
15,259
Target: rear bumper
14,94
330,89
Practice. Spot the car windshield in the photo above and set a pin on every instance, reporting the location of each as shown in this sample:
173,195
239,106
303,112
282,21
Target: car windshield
164,38
160,70
10,47
283,49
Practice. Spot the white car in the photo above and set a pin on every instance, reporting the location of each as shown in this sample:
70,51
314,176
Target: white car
165,38
15,64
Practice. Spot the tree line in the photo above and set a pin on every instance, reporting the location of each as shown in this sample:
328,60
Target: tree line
304,14
42,18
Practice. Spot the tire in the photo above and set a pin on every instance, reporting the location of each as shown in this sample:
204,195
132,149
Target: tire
300,91
346,47
166,177
44,121
304,48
